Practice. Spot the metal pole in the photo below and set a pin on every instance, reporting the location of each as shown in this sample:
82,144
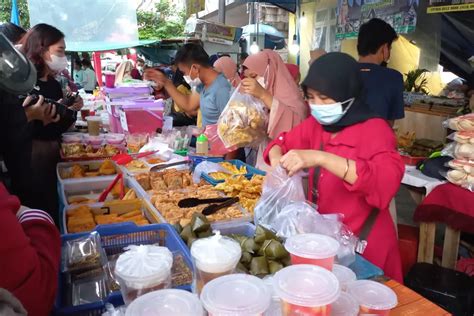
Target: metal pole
221,12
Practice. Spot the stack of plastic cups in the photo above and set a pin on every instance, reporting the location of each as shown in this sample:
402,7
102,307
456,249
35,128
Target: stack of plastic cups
345,305
344,275
275,304
306,289
236,295
165,303
319,250
373,297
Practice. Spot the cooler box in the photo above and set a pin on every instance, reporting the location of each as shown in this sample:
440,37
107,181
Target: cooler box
127,93
139,116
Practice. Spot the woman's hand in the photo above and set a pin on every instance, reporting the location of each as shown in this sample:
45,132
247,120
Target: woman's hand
78,104
40,111
296,160
252,87
156,76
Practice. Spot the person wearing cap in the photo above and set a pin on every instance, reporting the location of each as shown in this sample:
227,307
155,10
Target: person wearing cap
351,155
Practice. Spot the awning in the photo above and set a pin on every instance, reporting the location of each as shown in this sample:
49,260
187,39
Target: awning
105,46
288,5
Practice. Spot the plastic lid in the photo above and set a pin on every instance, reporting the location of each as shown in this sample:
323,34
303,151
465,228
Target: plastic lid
343,274
201,138
235,294
216,254
373,295
144,265
306,285
345,305
93,118
312,246
165,303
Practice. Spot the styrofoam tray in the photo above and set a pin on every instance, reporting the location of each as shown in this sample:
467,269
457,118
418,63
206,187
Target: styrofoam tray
94,163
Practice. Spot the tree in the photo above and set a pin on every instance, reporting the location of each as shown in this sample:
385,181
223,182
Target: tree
166,22
6,10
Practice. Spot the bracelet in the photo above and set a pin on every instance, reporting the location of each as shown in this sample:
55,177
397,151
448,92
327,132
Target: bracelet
347,169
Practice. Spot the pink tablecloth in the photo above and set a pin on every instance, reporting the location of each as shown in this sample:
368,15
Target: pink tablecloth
449,204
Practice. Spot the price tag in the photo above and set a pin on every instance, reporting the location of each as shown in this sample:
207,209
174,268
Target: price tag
123,120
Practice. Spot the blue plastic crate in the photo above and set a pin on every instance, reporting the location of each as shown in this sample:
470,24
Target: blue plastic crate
251,171
197,159
114,238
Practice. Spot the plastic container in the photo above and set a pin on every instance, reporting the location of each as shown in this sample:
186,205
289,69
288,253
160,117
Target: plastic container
275,304
197,159
213,257
314,249
143,269
344,275
202,145
237,295
62,167
114,239
373,297
93,125
251,171
141,118
345,305
165,303
69,138
109,79
226,228
114,138
306,290
94,140
167,123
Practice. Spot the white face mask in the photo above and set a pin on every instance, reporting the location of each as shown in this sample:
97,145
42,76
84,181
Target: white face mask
193,83
261,81
57,64
327,114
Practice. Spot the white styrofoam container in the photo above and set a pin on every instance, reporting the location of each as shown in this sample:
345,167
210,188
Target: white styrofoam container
93,163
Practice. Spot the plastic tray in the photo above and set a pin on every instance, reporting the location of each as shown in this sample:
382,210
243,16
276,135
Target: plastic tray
196,159
412,161
114,238
118,207
121,148
251,171
92,163
175,157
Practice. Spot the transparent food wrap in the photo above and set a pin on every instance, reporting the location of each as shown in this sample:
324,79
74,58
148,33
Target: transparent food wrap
83,254
462,173
461,123
459,151
243,122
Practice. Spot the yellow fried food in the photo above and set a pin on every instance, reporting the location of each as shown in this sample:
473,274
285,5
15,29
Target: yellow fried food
248,191
107,168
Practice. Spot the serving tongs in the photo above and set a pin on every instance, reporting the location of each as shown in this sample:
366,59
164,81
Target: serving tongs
211,209
106,192
191,202
160,167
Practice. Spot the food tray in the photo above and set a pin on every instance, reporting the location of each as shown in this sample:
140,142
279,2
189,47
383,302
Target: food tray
172,158
122,149
197,159
251,171
114,238
91,163
411,161
118,207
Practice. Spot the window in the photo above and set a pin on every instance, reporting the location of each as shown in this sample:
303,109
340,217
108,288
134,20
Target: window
324,35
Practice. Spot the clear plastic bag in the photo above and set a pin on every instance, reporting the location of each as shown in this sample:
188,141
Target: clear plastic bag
207,167
278,191
461,123
461,178
216,146
301,218
83,254
243,122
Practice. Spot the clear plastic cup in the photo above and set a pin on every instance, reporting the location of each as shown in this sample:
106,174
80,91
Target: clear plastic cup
94,140
344,275
306,290
143,269
69,138
114,139
93,125
373,297
165,303
275,305
213,257
345,305
237,295
316,249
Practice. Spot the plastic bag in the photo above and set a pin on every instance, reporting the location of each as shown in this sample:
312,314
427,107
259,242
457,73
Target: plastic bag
207,167
243,122
278,191
301,218
462,137
83,254
216,146
461,178
461,123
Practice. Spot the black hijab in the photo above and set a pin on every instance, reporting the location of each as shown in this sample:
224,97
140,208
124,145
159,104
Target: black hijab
337,75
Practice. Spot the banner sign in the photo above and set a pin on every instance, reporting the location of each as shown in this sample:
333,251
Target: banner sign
439,6
400,14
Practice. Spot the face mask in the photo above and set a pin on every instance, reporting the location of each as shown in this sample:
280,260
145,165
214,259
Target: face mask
193,83
140,68
327,114
261,81
57,64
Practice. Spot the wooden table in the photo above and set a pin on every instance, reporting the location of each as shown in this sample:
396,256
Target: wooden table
411,303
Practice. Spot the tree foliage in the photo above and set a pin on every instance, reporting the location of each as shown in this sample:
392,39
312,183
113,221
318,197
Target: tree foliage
6,10
166,22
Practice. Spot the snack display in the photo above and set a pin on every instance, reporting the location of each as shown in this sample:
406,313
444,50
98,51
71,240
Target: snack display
166,302
248,191
143,269
236,294
373,297
106,168
136,166
461,178
84,218
319,250
168,179
233,171
464,137
93,196
213,257
306,290
464,151
462,165
83,254
77,150
243,121
462,123
136,141
166,202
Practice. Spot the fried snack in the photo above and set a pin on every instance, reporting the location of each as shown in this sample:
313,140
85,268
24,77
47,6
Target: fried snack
77,199
80,224
131,214
80,150
111,150
131,195
248,191
136,165
82,210
77,171
107,219
144,180
242,123
107,168
169,179
167,203
231,168
154,161
406,140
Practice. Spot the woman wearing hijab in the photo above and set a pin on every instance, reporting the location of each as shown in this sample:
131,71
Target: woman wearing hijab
268,79
351,155
294,72
228,67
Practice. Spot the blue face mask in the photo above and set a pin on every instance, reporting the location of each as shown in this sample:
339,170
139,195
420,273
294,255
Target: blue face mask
327,114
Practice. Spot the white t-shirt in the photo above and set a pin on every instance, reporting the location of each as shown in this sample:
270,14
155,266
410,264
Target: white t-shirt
89,79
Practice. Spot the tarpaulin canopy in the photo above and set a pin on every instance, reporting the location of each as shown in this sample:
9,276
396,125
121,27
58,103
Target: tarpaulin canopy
288,5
